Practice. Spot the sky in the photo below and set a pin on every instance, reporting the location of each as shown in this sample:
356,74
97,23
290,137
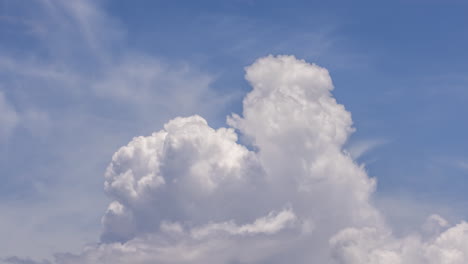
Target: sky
211,132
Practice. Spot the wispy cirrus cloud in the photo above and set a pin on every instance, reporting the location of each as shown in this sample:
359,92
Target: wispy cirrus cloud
72,85
8,118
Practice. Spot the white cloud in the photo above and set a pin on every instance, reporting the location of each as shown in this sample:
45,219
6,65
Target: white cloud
186,165
36,122
434,224
149,85
72,99
270,224
371,246
191,194
359,148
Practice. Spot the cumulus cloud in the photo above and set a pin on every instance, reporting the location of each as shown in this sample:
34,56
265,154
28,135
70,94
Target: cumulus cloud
371,246
190,193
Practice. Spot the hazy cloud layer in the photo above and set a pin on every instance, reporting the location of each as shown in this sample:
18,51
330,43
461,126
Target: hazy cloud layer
8,118
74,84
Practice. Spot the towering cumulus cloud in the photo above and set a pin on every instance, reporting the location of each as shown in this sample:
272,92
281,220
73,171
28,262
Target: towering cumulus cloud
192,194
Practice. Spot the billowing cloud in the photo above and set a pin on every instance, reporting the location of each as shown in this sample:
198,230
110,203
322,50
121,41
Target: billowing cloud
374,246
190,193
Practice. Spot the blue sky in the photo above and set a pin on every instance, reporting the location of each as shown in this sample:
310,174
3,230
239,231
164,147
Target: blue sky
79,80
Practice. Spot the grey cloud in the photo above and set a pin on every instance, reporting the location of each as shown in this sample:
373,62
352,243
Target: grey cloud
17,260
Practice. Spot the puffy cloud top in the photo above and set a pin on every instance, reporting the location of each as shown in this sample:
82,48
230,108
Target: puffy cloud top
178,174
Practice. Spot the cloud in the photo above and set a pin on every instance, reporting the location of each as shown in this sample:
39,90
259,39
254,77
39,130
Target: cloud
188,162
359,148
146,84
74,86
16,260
9,118
270,224
190,193
24,25
35,121
462,164
369,245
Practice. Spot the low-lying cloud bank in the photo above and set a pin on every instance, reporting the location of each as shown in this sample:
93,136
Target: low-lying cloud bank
192,194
